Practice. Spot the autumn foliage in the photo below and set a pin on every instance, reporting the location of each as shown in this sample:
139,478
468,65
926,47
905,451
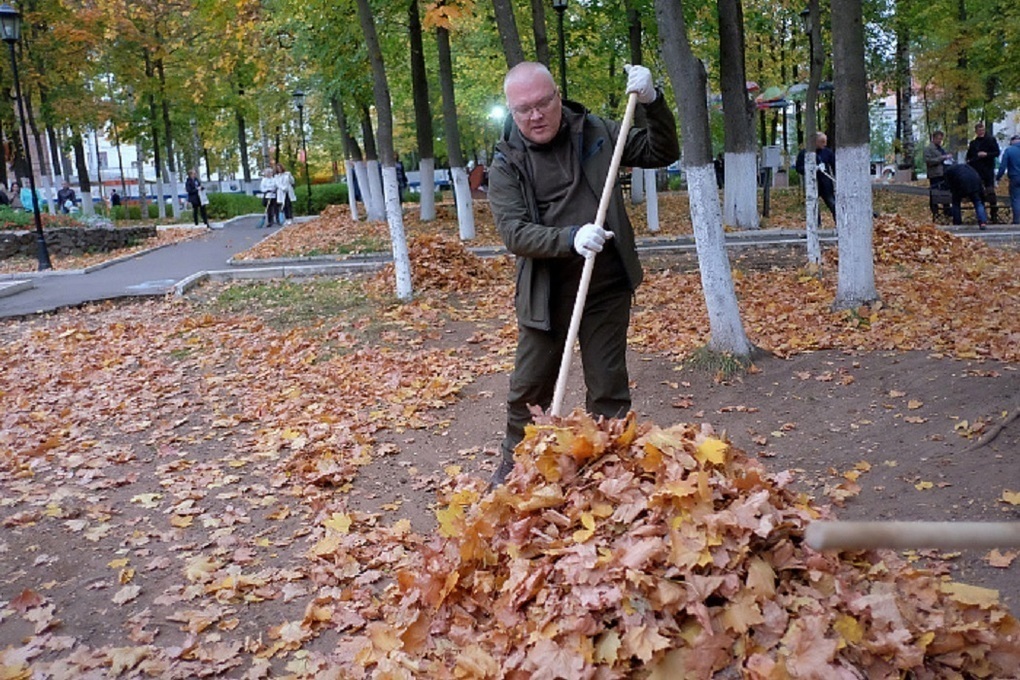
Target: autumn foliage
618,547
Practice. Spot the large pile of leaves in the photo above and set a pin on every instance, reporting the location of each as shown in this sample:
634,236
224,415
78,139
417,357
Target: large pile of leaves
617,547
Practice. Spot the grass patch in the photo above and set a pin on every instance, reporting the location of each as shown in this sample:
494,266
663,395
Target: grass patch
723,365
290,304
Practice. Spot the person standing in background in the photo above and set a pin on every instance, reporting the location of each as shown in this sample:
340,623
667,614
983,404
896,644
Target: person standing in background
285,195
1010,164
981,155
193,186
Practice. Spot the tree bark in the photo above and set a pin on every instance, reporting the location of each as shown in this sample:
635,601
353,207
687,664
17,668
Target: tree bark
381,94
422,110
506,24
856,279
538,28
740,185
817,61
349,146
371,189
687,74
458,175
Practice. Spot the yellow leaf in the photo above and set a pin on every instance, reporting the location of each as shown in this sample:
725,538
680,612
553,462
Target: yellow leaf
914,404
448,520
973,595
922,486
588,521
147,500
712,451
119,563
452,470
607,647
849,629
339,522
1011,497
327,546
181,521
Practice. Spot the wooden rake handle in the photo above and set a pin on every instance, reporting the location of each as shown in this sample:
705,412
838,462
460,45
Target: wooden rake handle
912,535
589,262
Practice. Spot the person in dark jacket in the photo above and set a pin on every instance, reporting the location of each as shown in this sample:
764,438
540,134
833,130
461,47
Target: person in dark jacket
545,184
195,190
825,172
963,181
981,154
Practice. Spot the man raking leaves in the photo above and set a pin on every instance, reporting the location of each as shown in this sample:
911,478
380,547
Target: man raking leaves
552,160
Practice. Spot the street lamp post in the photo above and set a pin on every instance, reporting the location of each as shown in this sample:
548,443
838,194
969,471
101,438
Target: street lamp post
561,6
299,101
10,33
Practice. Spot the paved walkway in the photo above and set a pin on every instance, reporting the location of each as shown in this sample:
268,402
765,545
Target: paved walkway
176,268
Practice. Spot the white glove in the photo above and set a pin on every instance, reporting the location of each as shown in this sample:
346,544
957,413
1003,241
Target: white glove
639,80
589,240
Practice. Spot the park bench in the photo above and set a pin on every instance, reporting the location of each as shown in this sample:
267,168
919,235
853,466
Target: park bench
941,201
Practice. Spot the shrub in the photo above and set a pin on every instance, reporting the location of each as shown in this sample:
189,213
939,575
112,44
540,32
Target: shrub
322,195
225,206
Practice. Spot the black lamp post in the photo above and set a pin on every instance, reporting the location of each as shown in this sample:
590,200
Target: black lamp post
561,6
10,33
299,102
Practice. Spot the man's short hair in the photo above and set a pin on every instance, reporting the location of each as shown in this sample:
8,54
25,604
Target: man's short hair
979,126
1014,138
938,133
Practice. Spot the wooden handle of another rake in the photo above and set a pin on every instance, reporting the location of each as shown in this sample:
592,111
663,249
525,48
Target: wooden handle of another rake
589,263
912,535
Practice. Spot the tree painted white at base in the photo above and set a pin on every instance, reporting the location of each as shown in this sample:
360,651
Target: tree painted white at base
740,192
398,240
374,200
725,326
856,280
352,200
651,201
175,192
637,186
465,209
427,175
361,173
814,247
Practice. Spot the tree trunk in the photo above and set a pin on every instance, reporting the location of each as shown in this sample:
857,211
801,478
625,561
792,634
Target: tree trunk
381,95
740,184
422,109
242,145
506,24
349,147
904,88
82,169
538,28
687,74
817,61
458,175
371,189
168,134
856,279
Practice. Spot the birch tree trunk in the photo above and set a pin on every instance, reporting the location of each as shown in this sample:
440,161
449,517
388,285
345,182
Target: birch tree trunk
458,175
811,216
381,94
349,147
422,111
740,184
651,200
687,74
371,190
856,279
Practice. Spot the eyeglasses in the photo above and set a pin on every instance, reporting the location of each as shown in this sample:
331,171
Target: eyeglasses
542,106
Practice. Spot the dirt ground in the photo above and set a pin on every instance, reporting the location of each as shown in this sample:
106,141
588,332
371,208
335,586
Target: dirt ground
881,435
901,424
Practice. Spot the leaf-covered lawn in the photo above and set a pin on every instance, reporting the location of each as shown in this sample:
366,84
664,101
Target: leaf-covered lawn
175,479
